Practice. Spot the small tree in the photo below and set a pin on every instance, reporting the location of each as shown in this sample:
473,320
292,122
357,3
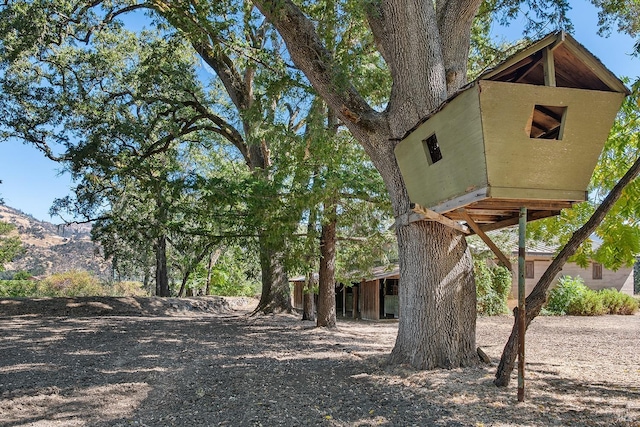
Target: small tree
10,246
492,288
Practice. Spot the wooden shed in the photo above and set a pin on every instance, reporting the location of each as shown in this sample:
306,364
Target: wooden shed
527,133
374,297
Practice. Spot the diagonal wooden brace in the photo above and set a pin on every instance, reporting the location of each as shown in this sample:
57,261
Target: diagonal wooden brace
486,239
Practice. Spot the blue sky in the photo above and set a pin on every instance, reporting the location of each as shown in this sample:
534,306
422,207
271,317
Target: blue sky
31,182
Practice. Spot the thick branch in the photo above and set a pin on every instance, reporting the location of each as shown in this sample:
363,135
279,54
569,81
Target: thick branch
316,62
538,295
455,19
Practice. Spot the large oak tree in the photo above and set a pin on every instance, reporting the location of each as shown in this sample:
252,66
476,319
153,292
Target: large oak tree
426,47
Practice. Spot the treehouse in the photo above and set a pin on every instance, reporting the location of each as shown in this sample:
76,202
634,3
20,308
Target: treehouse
527,133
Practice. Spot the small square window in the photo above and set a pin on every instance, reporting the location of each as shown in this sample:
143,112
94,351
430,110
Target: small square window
547,122
596,271
432,149
529,272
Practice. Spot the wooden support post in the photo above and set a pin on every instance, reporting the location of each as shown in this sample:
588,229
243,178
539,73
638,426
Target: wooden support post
521,300
549,67
486,239
344,301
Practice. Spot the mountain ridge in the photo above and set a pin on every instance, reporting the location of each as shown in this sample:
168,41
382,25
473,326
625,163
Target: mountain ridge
51,248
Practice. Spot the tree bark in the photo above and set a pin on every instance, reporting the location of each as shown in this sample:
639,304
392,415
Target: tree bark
437,290
437,299
183,283
162,275
276,295
326,276
538,295
213,259
308,299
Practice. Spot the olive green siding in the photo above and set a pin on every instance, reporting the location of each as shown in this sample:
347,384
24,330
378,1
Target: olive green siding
528,168
458,129
484,138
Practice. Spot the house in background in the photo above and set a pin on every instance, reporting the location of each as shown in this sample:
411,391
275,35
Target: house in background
374,297
539,256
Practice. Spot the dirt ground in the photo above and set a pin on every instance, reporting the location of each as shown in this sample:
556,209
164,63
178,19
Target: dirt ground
204,362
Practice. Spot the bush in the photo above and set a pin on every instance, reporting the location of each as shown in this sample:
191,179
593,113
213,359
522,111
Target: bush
573,297
569,289
589,303
492,289
21,275
618,303
71,284
129,289
18,288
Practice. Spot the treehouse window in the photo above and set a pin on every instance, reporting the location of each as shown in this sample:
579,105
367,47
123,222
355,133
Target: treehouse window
432,149
547,122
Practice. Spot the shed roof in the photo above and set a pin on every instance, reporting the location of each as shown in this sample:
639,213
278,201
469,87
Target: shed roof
381,272
575,66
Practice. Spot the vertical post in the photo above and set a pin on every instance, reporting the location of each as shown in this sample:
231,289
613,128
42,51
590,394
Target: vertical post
522,311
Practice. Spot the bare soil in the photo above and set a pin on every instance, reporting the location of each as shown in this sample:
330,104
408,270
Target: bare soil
205,362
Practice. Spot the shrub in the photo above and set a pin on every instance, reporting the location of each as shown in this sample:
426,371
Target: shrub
129,289
589,303
71,284
618,303
492,289
572,297
21,275
569,289
18,288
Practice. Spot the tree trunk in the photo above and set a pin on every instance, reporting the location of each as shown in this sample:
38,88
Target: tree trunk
146,278
437,298
183,284
437,289
308,299
538,295
276,295
327,281
162,276
213,259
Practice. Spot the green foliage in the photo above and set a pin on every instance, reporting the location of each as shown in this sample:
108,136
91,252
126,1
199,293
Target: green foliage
235,273
569,289
71,284
18,288
617,241
623,17
129,289
618,303
21,275
10,247
492,288
590,303
573,297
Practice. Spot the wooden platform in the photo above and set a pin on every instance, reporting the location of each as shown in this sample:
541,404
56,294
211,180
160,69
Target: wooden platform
493,214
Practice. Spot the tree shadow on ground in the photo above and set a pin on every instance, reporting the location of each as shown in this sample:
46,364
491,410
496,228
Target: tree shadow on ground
274,370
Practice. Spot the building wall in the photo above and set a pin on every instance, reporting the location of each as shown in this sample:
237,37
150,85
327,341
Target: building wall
298,288
621,280
370,298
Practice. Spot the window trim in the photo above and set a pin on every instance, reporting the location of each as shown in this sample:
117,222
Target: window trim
596,271
529,270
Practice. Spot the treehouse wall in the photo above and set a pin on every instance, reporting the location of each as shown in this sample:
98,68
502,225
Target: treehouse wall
524,167
487,144
458,130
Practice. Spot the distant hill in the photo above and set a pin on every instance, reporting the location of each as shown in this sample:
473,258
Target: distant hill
54,248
